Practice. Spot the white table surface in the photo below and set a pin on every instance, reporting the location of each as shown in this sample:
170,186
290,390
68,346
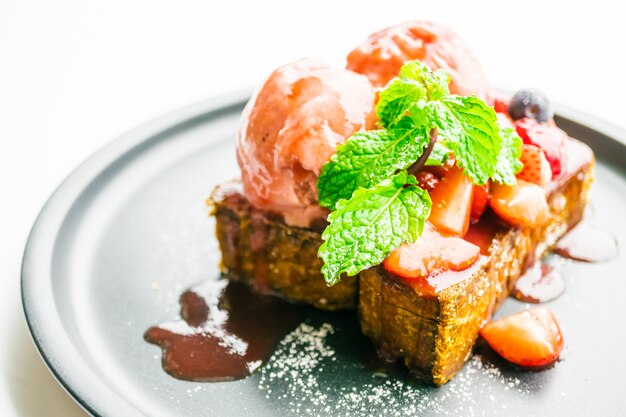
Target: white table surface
75,74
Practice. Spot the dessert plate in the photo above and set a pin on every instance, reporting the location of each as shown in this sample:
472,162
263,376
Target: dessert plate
128,231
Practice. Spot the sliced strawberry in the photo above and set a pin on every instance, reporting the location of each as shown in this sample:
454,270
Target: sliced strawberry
427,180
536,167
501,105
430,254
452,203
531,338
523,204
479,201
546,136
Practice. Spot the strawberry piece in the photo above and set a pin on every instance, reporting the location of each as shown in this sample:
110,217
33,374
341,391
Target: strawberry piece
546,136
531,338
452,203
479,201
501,105
523,204
427,180
536,167
430,254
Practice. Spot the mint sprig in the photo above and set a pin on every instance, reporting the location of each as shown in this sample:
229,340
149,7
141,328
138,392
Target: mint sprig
376,220
366,159
469,128
377,204
509,162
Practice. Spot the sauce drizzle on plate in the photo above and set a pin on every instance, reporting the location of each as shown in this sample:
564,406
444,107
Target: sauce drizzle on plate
225,333
539,284
587,243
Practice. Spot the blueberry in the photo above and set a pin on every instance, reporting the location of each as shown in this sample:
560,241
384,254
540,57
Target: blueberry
530,103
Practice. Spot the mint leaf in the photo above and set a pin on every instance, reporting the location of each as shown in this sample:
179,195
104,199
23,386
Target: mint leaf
416,82
395,100
469,128
376,220
366,159
508,159
438,156
436,82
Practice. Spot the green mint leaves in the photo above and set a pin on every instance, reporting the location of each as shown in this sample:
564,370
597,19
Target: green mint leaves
469,128
508,159
376,220
377,204
366,159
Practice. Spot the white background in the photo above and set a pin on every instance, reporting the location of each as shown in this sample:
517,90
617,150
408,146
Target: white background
74,74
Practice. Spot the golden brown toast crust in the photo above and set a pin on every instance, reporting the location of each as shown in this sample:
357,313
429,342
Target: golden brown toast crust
260,250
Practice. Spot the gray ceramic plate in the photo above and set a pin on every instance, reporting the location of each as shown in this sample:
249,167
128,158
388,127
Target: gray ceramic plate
128,231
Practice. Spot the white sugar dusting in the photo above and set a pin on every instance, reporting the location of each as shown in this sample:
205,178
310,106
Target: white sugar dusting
297,379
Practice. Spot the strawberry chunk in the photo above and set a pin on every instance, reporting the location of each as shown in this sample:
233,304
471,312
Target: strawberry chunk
531,338
546,136
536,167
430,254
427,180
523,204
501,104
452,203
479,201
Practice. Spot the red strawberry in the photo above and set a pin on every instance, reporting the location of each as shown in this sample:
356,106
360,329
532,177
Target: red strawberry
479,201
427,180
431,253
523,204
531,338
547,136
452,202
501,105
536,167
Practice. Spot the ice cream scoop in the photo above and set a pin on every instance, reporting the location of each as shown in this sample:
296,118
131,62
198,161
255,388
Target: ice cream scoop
291,127
383,53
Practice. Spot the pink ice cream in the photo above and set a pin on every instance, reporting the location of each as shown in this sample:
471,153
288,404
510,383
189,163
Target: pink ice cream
383,53
291,127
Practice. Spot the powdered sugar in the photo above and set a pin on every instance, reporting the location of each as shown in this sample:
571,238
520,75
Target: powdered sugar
306,377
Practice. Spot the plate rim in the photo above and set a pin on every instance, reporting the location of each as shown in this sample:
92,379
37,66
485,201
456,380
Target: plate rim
75,376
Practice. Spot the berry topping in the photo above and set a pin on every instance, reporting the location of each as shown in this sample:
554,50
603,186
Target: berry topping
430,254
532,104
427,180
452,203
531,338
479,201
523,204
536,167
546,136
500,104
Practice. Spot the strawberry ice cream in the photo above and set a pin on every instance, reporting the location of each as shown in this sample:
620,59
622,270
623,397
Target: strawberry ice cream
383,53
291,127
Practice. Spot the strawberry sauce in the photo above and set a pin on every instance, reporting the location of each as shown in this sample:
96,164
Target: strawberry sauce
226,332
539,284
587,243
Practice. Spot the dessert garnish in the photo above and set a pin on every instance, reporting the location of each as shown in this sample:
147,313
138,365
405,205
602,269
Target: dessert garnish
531,339
376,200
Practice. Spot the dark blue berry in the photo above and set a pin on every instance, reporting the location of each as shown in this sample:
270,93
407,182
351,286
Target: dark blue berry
530,103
